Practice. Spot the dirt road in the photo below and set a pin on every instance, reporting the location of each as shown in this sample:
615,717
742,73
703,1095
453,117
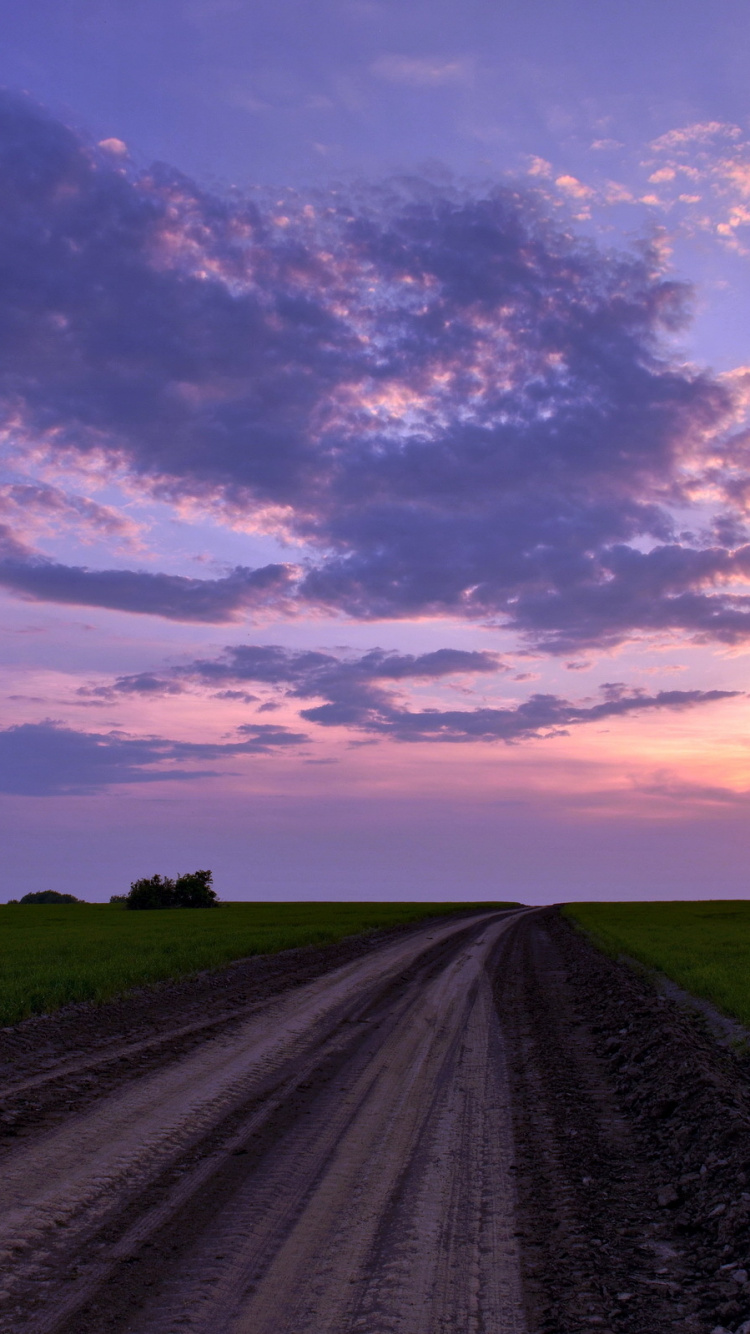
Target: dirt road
338,1161
478,1125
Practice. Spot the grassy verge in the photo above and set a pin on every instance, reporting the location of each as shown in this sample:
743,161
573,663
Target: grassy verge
704,947
51,955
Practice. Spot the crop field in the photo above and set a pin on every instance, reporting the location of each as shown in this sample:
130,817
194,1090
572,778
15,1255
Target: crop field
51,955
704,947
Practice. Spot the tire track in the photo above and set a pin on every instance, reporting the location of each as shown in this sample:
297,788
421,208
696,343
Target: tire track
340,1162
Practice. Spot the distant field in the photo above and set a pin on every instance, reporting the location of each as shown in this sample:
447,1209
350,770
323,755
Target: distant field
704,947
51,955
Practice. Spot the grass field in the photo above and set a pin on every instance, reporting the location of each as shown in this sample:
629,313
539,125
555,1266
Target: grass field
704,947
51,955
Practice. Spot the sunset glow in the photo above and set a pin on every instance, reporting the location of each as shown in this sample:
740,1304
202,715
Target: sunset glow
374,513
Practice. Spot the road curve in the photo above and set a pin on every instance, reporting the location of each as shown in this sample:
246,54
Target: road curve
338,1164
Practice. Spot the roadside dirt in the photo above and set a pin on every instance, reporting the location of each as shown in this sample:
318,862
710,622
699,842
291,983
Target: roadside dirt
632,1131
480,1125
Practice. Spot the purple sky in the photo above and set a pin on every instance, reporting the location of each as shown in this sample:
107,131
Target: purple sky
375,456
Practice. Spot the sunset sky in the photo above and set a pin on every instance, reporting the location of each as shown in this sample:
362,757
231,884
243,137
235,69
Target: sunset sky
375,495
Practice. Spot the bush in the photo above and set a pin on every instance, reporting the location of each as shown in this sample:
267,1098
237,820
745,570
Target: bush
156,892
49,896
187,891
194,891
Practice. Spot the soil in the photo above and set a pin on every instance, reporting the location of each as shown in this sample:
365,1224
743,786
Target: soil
632,1128
484,1125
55,1066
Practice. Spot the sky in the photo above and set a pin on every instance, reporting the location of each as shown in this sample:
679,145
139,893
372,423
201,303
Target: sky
375,457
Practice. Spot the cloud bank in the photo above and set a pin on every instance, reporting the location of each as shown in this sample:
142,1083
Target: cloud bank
47,759
174,597
460,408
359,693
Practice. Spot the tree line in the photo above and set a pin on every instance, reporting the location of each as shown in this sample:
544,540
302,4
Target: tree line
193,890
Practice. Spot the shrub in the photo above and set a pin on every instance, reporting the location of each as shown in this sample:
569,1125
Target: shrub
187,891
49,896
194,890
156,892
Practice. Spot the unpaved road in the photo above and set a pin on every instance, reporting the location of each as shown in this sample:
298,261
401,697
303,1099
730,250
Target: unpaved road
475,1126
338,1161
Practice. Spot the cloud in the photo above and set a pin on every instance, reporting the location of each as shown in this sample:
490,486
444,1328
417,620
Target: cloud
572,186
41,506
456,405
355,688
701,132
670,588
310,672
48,759
175,597
141,683
539,716
114,146
422,71
238,696
357,694
708,165
671,788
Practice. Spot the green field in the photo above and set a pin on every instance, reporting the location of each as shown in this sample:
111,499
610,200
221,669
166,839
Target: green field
51,955
704,947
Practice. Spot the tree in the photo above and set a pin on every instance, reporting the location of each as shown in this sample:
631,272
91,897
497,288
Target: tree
156,892
49,896
187,891
194,890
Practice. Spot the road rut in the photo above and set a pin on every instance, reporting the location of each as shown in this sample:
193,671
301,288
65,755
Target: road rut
340,1162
